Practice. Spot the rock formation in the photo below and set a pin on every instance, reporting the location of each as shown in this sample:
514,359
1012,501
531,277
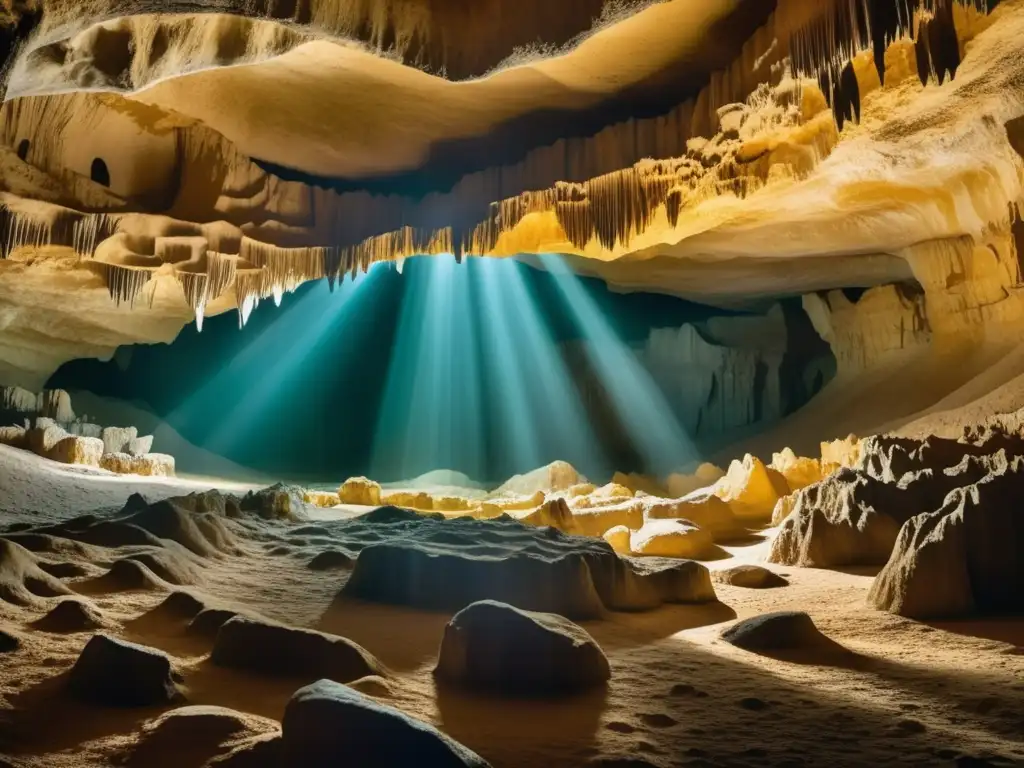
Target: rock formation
498,648
113,672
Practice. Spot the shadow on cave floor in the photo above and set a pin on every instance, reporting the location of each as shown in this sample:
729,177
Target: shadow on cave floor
1001,629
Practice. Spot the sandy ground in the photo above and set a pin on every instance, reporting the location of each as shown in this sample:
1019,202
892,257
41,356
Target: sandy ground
910,694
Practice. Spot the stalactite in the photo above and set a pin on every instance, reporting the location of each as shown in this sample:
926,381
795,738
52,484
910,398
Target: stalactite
124,283
220,271
195,286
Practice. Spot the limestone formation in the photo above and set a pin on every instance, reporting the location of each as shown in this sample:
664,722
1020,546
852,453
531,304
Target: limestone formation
326,723
119,439
495,647
961,559
671,538
618,537
702,507
751,489
704,476
557,476
799,471
114,672
359,490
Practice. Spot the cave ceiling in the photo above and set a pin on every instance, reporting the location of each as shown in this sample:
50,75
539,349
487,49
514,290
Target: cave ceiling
165,161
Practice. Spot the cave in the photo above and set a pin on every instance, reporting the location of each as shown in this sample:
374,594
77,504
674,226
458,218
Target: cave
99,172
493,383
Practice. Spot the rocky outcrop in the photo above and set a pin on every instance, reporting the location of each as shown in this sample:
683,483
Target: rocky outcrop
448,564
964,557
751,489
117,673
498,648
372,733
361,491
853,516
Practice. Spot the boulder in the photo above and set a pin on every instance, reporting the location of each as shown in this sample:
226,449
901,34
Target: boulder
327,724
749,576
361,491
77,450
9,642
14,437
703,508
154,465
780,631
44,436
495,647
262,646
140,446
618,538
672,538
751,489
118,439
117,673
961,559
120,463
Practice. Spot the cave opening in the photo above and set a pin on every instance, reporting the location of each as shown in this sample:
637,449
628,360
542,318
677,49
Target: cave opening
490,368
99,172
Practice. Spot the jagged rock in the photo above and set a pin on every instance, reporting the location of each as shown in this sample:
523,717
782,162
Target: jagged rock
837,522
853,516
494,646
751,489
71,615
140,446
780,631
618,537
77,450
837,454
749,576
961,559
115,672
248,643
118,439
672,538
274,503
326,724
703,508
15,437
360,490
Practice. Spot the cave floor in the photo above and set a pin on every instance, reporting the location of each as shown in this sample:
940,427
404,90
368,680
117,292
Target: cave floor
910,693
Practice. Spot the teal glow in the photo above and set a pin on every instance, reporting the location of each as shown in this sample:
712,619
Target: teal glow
640,406
476,378
266,368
